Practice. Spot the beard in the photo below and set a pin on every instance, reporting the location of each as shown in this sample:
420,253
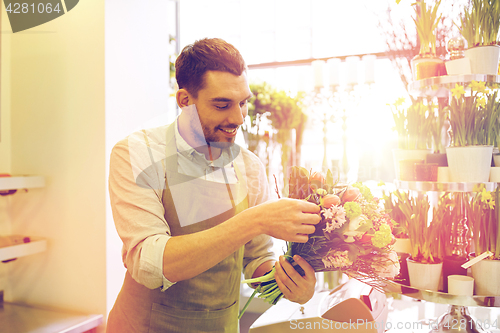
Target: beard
213,139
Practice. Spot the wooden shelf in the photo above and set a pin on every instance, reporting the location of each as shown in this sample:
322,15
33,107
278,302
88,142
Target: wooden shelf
18,318
21,250
21,182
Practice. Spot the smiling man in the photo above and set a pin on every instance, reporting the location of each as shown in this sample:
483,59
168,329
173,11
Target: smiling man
193,209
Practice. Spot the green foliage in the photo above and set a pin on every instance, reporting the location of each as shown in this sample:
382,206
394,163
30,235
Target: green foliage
424,236
480,22
426,23
474,119
413,125
484,216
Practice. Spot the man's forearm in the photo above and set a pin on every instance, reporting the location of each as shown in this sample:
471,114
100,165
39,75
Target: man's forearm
187,256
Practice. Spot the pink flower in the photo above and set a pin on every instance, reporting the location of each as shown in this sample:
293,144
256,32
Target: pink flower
337,259
335,218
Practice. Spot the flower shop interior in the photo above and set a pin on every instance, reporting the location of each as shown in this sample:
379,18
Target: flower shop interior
375,94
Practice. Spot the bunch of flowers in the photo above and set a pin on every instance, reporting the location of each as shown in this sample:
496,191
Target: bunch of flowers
354,235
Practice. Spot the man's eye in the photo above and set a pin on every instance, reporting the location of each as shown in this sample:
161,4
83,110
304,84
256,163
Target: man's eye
242,104
222,106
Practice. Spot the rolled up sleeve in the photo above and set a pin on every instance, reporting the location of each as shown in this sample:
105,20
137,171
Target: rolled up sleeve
138,213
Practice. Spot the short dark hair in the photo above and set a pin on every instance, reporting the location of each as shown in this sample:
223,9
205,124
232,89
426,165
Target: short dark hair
208,54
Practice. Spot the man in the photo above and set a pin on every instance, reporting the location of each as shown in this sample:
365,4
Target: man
193,209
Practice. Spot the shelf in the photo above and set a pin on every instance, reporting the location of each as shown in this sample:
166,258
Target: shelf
21,250
21,182
17,318
441,297
439,86
443,187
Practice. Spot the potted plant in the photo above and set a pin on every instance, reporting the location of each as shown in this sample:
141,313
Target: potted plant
472,123
484,215
412,125
426,63
479,25
439,119
425,263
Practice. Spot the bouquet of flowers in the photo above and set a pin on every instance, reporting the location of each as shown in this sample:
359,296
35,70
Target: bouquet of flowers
354,235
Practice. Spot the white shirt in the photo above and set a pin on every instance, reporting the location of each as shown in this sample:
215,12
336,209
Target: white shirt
137,205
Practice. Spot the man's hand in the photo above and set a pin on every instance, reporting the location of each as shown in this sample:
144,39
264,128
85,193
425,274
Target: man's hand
289,219
296,288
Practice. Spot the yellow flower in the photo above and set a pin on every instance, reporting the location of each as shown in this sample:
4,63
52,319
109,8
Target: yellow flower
399,101
479,87
458,91
481,101
382,237
487,198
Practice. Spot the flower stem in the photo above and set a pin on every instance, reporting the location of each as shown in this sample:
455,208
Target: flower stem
248,303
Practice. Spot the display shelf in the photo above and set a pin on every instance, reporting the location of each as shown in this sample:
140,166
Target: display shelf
21,250
440,86
443,187
21,182
18,318
441,297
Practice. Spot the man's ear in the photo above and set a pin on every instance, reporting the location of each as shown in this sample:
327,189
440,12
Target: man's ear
184,98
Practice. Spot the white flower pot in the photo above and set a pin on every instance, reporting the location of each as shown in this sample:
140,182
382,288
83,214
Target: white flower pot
458,66
495,174
496,160
486,274
469,163
484,59
408,154
424,276
402,245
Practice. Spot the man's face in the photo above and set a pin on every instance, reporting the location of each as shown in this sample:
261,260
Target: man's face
222,106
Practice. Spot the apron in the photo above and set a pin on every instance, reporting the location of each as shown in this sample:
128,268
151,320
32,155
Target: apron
209,301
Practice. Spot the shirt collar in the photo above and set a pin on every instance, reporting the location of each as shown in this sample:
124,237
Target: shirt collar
192,154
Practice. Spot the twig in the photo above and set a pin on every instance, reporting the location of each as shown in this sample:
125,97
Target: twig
276,183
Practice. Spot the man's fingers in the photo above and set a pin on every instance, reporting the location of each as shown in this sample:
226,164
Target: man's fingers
305,266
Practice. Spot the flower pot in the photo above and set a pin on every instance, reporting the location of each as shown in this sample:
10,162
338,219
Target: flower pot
403,269
408,154
452,265
423,67
495,174
407,169
402,245
424,276
486,274
484,59
496,160
458,66
426,172
469,163
438,158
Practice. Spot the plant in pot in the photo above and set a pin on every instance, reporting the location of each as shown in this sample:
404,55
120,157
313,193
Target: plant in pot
484,215
426,63
425,263
402,244
439,118
472,126
412,125
454,233
479,25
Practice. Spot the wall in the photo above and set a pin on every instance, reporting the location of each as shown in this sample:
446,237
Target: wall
57,130
70,90
137,91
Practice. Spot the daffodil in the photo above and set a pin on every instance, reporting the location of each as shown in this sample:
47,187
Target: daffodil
481,101
458,91
487,198
480,87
